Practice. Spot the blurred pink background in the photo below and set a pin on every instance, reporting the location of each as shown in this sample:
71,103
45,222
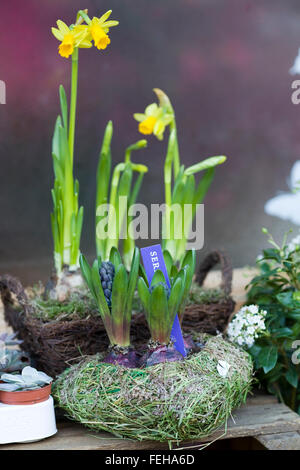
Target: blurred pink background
224,64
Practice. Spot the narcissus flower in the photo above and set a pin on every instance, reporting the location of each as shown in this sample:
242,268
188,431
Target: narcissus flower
71,38
81,35
99,28
154,120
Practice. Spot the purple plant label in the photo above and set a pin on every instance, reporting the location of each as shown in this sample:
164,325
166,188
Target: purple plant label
153,259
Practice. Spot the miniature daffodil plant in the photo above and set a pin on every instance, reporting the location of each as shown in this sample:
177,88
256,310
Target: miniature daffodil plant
180,184
67,218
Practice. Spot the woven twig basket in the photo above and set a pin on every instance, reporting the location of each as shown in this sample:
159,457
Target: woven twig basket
52,345
212,317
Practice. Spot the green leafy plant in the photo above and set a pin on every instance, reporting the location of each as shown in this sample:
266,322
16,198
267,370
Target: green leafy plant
116,192
181,189
161,303
276,289
116,314
66,218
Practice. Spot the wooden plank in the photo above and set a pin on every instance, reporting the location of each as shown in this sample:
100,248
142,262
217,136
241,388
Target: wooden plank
260,419
280,441
261,398
262,416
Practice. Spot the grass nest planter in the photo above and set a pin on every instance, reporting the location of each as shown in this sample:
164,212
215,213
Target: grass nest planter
55,344
171,402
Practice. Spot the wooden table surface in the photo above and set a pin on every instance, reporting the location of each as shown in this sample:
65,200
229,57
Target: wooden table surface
272,424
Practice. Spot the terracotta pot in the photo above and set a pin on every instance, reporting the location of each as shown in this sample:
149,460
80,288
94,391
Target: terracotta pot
27,397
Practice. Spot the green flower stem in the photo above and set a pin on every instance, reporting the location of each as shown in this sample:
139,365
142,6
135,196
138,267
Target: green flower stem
176,160
103,179
113,210
74,85
84,16
168,235
129,242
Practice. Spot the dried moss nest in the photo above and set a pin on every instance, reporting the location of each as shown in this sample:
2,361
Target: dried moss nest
172,402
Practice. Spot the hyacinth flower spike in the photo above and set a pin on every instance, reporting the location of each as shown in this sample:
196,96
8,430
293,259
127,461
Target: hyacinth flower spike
113,289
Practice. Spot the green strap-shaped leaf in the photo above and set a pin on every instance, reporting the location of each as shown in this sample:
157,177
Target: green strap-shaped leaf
86,273
63,106
168,261
205,164
104,167
158,277
58,169
115,257
144,295
178,178
55,139
121,322
178,192
142,273
119,291
174,300
124,192
203,186
133,277
181,275
173,272
136,189
189,190
189,260
103,181
158,319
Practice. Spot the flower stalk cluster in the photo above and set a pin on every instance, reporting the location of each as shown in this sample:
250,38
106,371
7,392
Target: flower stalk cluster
117,191
180,185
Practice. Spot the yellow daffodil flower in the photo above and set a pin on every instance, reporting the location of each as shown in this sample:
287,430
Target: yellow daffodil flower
71,38
99,29
154,120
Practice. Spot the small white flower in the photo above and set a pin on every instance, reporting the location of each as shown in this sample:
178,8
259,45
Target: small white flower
247,325
253,308
294,245
223,368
